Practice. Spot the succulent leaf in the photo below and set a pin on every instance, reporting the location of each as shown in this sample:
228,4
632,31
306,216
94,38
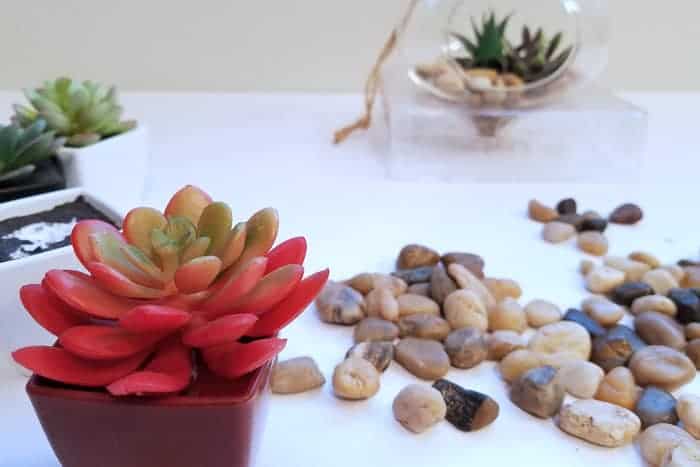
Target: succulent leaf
219,331
271,290
20,147
154,318
53,315
215,223
96,342
138,225
122,286
197,274
292,251
235,359
196,249
189,202
234,245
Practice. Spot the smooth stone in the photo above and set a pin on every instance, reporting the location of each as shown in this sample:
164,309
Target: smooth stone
579,317
375,329
441,285
692,331
423,358
381,303
538,392
657,303
424,326
502,343
646,258
379,354
466,280
628,292
618,387
418,407
688,410
692,350
467,410
599,423
365,282
626,214
564,336
540,212
503,288
656,406
416,275
593,243
295,376
464,309
474,263
567,206
661,281
518,362
541,313
634,270
557,232
340,304
603,311
604,279
657,440
595,224
574,220
687,303
421,288
581,379
661,366
355,379
616,347
676,271
659,329
416,256
692,276
466,347
508,315
683,455
412,304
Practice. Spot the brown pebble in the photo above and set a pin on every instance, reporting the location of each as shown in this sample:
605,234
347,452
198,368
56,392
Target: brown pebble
296,375
416,256
471,261
692,331
656,441
466,347
379,354
422,288
659,329
423,358
692,350
418,407
605,312
557,232
657,303
692,277
411,304
538,392
541,313
518,362
381,303
441,285
646,258
502,343
661,281
616,347
508,315
634,270
661,366
464,309
414,276
375,329
355,379
604,279
424,326
466,280
467,410
627,214
618,387
538,212
503,288
340,304
365,282
593,243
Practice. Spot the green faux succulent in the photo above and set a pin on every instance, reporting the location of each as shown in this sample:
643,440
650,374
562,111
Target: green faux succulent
490,48
83,112
22,147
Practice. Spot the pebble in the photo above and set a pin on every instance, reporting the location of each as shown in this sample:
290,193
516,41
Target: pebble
692,276
375,329
414,276
581,379
441,285
687,304
558,232
467,410
626,214
463,308
628,292
474,263
645,257
616,347
508,315
365,282
411,304
597,224
604,279
538,212
593,243
466,348
379,354
518,362
657,303
574,220
656,441
659,329
599,423
676,271
418,407
603,311
661,366
381,303
422,288
591,325
339,304
683,455
355,379
538,392
424,326
466,280
692,331
564,336
567,206
423,358
416,256
541,313
661,281
586,266
693,352
618,387
634,270
688,409
501,343
656,406
503,288
296,375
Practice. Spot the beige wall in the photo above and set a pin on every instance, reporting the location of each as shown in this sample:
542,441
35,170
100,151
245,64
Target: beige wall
262,45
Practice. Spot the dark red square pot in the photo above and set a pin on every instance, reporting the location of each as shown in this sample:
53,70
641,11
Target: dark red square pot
216,424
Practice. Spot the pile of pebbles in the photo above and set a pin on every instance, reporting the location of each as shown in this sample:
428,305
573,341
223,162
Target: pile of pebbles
564,223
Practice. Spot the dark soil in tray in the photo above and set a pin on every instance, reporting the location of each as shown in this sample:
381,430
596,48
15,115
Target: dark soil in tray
48,176
43,231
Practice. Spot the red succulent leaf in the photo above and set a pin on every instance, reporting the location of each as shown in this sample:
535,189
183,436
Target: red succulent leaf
292,251
95,342
122,286
154,318
60,365
271,290
52,314
80,238
236,359
220,331
235,288
271,322
169,372
197,274
81,292
189,202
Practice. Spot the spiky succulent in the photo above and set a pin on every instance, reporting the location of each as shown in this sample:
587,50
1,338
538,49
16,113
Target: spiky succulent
537,57
490,48
22,147
173,293
83,112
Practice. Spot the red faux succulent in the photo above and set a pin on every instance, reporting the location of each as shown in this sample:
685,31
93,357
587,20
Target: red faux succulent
173,290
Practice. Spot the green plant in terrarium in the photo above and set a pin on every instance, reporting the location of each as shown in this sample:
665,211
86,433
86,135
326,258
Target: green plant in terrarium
84,112
21,148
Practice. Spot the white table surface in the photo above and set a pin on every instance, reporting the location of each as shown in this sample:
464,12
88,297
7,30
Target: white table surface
254,151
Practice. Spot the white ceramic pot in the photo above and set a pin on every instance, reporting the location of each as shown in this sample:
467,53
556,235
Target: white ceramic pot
17,328
115,168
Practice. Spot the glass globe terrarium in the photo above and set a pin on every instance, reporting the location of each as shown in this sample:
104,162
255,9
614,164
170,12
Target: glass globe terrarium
503,90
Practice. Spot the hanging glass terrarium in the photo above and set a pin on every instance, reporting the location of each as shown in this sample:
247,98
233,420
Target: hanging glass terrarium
500,90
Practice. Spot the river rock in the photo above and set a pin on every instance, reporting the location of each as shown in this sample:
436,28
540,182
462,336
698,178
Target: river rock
604,279
441,285
296,375
616,347
507,315
599,423
687,303
423,358
693,352
467,410
659,329
464,309
503,288
540,212
474,263
618,387
355,379
627,214
468,281
634,270
466,347
657,303
379,354
541,313
381,303
424,326
628,292
581,379
502,343
656,406
416,256
603,311
688,409
340,304
661,281
657,440
418,407
375,329
564,336
538,392
414,276
420,288
661,366
414,304
591,325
